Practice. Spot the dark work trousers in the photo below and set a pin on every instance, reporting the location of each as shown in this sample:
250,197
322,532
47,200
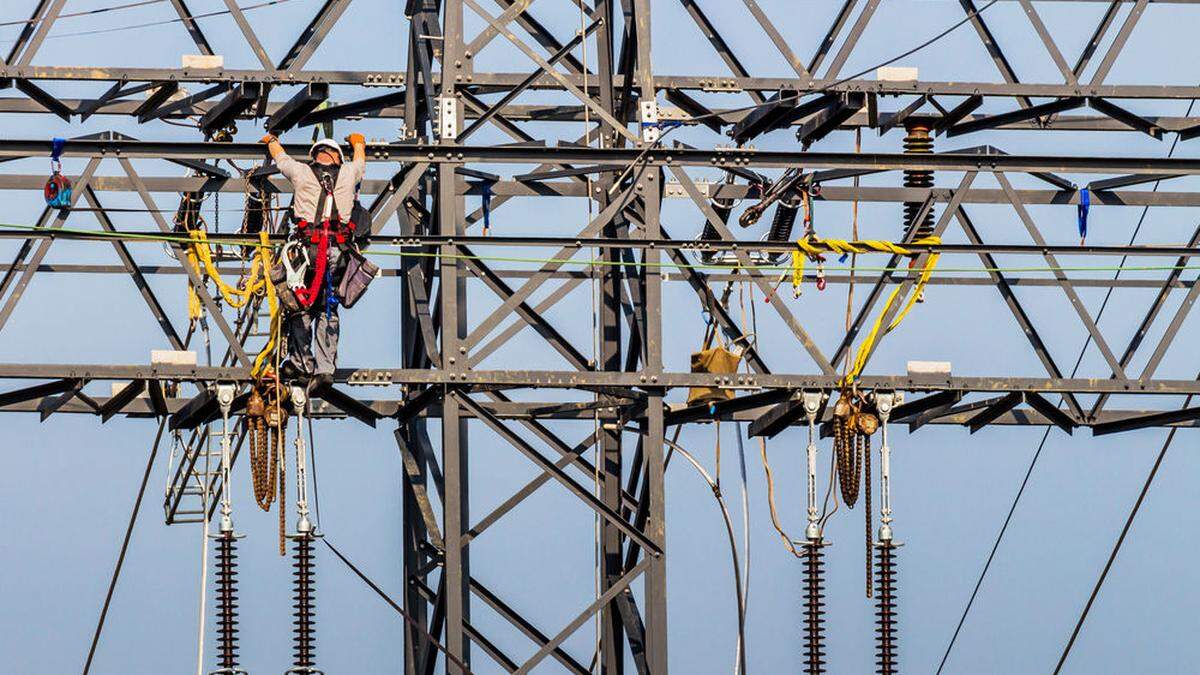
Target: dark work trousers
313,332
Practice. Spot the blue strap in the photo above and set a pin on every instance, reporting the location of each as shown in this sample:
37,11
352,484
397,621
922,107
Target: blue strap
1085,205
56,148
663,126
331,300
487,207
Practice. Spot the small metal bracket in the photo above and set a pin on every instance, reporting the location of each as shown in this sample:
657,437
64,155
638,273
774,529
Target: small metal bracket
884,403
649,119
720,85
225,395
812,401
448,110
673,189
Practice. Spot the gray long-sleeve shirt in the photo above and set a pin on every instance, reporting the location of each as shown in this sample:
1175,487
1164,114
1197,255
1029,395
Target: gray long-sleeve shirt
307,189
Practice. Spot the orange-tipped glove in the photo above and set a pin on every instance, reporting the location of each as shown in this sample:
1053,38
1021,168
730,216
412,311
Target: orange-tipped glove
268,138
356,139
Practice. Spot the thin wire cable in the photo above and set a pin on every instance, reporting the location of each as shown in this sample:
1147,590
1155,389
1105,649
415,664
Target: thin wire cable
204,500
312,454
106,236
86,12
112,585
1137,505
826,87
751,324
737,578
1041,445
165,22
797,96
594,297
392,603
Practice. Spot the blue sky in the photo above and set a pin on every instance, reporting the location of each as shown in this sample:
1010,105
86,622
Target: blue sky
71,482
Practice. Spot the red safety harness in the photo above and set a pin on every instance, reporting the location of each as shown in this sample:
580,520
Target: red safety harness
331,228
340,233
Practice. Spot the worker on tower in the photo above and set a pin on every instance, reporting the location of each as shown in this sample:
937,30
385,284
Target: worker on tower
328,220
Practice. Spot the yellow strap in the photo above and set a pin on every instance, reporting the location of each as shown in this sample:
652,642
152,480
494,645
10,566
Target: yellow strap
195,307
877,331
264,260
797,272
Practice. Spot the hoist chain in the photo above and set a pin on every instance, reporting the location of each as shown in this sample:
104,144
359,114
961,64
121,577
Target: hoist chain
865,459
266,420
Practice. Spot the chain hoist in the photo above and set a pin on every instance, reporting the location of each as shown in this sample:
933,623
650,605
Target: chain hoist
226,540
814,567
854,421
266,422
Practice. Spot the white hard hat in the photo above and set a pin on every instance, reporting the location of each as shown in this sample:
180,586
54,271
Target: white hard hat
326,143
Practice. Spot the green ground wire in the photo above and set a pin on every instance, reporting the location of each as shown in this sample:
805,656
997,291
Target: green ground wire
102,235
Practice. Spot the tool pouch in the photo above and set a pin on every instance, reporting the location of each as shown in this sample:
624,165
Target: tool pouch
718,360
358,275
287,298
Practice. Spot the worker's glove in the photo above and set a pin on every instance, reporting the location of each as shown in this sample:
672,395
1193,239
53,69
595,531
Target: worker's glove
269,138
356,139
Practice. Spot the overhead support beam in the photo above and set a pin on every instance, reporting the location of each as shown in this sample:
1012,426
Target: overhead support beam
1128,181
958,113
1032,112
241,99
52,404
202,408
994,408
156,100
304,102
778,418
892,121
722,409
943,399
780,112
355,108
45,99
829,119
1146,421
348,404
124,397
37,391
1136,122
183,103
1050,411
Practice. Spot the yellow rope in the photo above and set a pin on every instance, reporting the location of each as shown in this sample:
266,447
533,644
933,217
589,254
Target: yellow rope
815,247
199,253
255,283
877,331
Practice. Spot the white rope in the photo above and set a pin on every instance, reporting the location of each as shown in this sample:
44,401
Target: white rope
594,291
204,498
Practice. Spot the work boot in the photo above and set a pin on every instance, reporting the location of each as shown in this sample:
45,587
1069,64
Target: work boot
320,382
289,371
